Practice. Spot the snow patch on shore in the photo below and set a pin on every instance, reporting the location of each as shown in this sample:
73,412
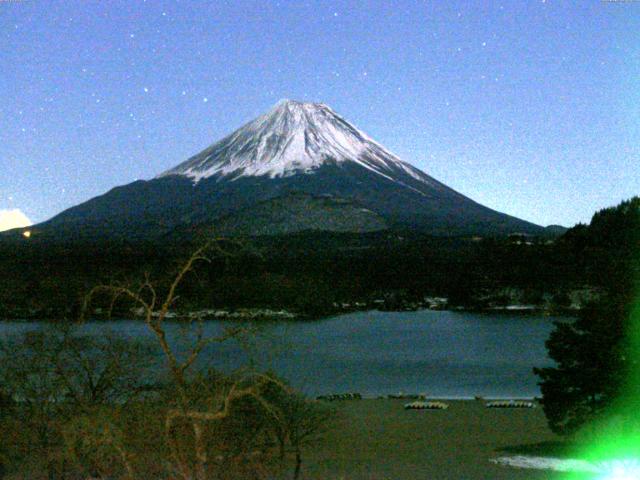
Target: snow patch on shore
547,463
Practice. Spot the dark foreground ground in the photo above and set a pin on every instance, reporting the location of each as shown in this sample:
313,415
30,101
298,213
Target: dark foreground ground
378,439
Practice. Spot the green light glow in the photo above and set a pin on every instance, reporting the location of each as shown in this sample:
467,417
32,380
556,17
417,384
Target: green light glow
614,442
620,470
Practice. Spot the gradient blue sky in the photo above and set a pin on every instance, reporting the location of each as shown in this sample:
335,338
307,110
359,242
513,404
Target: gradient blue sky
529,107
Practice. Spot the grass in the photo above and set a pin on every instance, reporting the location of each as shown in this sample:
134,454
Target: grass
378,439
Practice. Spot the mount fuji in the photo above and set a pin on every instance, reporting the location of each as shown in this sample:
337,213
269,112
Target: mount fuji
299,167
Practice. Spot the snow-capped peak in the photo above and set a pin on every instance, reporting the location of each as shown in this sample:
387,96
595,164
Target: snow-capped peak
293,137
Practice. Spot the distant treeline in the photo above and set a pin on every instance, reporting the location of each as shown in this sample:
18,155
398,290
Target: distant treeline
310,272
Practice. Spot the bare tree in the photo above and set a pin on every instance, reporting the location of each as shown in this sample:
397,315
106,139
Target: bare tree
300,424
55,374
155,309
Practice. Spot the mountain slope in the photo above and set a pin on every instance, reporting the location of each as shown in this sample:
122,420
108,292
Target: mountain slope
291,213
295,148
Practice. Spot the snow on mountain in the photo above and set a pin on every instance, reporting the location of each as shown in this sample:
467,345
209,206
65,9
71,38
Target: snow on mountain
292,138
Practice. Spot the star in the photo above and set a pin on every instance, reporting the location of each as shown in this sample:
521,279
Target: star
205,99
145,89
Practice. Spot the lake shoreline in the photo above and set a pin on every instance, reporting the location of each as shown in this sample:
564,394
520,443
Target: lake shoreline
284,315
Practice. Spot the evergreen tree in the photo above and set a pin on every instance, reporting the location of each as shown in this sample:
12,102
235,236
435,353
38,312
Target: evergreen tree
595,354
591,365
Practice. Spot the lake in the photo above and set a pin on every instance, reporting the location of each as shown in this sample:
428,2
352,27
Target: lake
440,353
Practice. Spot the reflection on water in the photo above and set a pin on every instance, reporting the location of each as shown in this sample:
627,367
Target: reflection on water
440,353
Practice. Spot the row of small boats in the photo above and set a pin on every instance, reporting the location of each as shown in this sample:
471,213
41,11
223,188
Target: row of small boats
340,396
494,404
421,402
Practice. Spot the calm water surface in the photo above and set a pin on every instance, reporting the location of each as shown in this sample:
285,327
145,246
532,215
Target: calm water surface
440,353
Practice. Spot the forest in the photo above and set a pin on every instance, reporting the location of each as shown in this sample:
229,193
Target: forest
309,273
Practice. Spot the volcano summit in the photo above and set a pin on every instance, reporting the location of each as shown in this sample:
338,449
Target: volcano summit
298,167
292,138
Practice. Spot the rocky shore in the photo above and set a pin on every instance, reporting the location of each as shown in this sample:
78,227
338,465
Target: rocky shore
504,300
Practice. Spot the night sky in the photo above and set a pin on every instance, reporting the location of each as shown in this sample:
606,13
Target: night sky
529,107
